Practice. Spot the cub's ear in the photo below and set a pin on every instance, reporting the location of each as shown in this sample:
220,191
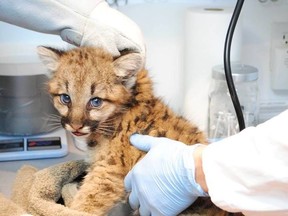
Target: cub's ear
128,65
50,57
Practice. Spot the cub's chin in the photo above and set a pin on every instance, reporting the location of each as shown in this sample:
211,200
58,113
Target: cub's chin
80,141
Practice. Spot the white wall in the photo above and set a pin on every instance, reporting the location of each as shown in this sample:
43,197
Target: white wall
162,24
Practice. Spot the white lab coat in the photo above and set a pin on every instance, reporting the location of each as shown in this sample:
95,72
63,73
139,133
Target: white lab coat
248,172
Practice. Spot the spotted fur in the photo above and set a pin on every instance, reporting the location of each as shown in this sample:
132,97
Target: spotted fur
107,100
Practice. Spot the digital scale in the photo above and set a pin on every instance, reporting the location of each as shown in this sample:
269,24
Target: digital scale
50,145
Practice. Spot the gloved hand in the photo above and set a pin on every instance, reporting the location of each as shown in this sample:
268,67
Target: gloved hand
80,23
163,182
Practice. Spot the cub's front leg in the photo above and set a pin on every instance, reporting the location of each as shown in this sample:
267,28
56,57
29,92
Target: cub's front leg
102,188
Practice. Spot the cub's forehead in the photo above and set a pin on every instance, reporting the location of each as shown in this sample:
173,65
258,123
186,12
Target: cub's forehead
87,64
78,62
88,54
86,61
83,74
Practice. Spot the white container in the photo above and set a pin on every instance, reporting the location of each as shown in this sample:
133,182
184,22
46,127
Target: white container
222,119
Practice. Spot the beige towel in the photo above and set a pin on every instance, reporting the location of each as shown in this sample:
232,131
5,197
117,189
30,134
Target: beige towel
47,187
36,192
9,208
22,185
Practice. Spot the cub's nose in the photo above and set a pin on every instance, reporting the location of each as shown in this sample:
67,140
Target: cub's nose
76,126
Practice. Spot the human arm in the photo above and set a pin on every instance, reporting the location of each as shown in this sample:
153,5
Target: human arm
77,22
162,183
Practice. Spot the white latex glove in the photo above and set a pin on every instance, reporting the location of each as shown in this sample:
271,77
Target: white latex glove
80,23
163,182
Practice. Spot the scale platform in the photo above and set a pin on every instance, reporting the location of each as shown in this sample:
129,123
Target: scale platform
50,145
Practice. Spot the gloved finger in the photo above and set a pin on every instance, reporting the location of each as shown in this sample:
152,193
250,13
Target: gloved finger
133,200
128,182
143,211
143,142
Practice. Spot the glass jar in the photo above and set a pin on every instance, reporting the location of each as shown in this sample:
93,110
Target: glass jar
222,120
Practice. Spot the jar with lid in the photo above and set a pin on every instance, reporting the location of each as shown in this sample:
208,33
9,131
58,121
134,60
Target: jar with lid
222,120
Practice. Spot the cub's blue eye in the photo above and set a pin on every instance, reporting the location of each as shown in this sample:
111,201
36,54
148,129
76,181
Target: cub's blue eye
65,99
95,102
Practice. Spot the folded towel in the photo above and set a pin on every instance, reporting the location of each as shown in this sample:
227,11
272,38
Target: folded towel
37,192
8,208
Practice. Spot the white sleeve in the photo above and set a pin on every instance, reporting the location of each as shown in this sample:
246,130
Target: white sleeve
248,172
47,16
60,17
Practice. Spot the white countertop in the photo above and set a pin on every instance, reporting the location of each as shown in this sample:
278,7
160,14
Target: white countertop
9,169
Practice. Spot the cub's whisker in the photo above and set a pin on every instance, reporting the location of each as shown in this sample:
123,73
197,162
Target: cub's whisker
54,128
108,130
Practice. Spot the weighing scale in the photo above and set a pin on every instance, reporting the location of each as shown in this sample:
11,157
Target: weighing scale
49,145
27,116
